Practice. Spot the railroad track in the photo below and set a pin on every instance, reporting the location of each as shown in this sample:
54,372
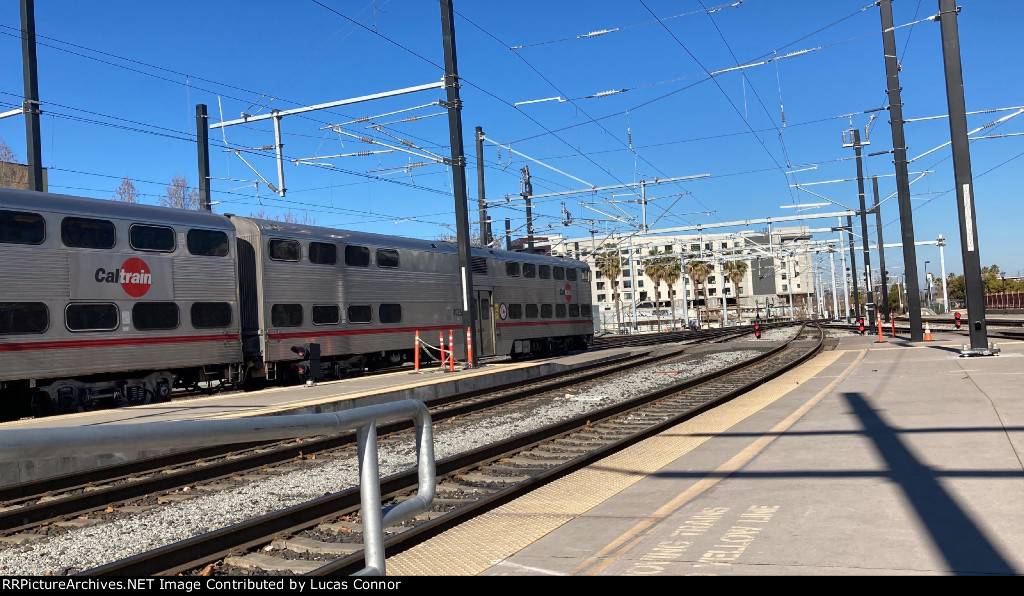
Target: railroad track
47,505
323,536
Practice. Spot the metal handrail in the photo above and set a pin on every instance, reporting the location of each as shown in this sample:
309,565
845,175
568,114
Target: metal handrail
25,444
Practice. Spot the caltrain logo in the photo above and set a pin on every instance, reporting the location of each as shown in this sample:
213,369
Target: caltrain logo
568,293
134,276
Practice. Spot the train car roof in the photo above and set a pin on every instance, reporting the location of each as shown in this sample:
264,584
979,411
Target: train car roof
27,200
510,255
324,234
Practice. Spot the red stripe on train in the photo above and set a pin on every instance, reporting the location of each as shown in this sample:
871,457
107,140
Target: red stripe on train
109,343
371,331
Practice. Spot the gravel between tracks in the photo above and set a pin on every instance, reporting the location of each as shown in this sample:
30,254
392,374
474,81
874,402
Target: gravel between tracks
84,548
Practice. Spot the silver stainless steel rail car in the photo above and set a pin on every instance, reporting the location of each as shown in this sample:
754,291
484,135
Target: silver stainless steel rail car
104,302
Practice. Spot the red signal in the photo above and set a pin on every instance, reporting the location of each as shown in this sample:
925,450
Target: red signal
860,325
757,330
957,317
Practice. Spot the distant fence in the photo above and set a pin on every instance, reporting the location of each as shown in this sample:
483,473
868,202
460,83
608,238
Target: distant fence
1004,301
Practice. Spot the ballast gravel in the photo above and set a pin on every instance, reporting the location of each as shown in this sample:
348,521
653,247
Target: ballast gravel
84,548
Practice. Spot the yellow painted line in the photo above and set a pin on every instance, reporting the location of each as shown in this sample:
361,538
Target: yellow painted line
480,543
600,561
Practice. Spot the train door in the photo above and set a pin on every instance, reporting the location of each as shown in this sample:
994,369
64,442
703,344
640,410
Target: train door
484,321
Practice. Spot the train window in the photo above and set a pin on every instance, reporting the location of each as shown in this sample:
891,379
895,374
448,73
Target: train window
23,317
512,269
545,311
570,274
485,309
585,274
360,313
587,310
155,315
560,311
515,311
558,273
529,270
21,227
285,250
91,317
207,315
286,315
357,256
574,310
390,313
531,311
326,314
208,243
87,233
155,238
323,253
387,257
545,272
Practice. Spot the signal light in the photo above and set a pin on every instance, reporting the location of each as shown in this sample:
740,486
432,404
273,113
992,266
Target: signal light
860,325
757,330
301,351
957,321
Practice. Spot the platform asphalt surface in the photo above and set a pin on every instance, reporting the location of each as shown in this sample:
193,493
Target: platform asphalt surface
892,458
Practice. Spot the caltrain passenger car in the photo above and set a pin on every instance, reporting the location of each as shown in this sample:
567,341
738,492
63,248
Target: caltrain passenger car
105,302
360,298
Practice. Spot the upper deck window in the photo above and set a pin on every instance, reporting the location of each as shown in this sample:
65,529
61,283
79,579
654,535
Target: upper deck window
512,269
209,243
544,272
323,253
570,273
154,238
357,256
80,232
559,273
20,227
387,257
285,250
529,270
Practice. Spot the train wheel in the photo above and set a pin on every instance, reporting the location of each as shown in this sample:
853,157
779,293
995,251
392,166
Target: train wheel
41,405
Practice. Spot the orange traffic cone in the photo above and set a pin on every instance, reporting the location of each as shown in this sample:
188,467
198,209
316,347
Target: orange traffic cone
927,331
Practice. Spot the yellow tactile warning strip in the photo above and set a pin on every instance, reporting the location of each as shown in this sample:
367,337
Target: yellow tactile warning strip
476,545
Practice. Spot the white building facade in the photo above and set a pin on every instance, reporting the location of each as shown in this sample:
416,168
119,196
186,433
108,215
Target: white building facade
778,284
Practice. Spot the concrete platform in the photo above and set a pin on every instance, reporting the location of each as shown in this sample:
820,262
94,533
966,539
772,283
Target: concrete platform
425,385
891,458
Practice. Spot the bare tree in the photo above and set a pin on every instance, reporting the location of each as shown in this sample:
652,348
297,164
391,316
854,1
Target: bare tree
288,217
7,169
180,194
6,153
126,193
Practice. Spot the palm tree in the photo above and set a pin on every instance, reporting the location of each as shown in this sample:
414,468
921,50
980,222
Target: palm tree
698,272
735,270
607,262
654,269
671,270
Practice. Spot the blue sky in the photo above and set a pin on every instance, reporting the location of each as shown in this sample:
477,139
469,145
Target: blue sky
119,82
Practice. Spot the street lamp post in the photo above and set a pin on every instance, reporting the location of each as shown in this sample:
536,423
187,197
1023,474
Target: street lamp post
928,285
